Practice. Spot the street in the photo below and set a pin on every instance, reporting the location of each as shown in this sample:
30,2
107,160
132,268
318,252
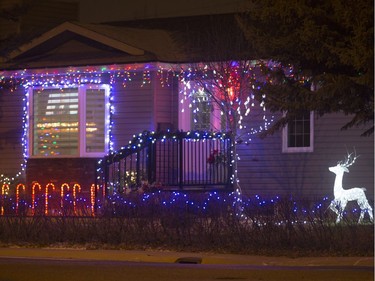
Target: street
23,268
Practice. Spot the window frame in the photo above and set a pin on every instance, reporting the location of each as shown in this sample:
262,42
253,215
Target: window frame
203,111
185,109
81,151
294,149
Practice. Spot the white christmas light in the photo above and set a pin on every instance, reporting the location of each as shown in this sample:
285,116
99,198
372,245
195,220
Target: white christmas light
343,196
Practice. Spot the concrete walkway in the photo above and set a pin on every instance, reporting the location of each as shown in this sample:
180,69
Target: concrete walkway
171,257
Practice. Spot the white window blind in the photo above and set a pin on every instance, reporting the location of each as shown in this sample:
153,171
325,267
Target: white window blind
56,122
70,122
95,120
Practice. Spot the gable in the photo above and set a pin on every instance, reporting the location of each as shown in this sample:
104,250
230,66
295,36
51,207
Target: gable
168,41
72,44
69,48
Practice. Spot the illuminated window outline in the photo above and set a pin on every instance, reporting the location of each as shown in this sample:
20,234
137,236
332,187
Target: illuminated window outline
201,114
294,149
82,121
186,108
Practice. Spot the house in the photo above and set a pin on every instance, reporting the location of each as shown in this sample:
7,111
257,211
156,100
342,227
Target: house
78,92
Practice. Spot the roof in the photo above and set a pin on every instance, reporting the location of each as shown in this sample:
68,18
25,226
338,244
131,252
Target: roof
156,41
163,40
72,44
202,38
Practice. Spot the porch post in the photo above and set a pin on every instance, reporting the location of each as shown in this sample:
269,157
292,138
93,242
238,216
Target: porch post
181,162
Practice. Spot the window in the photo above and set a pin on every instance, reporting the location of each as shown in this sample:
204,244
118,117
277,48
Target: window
298,134
70,122
197,110
201,113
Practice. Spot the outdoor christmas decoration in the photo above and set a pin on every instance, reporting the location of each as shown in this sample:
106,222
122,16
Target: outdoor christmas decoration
216,157
230,86
343,196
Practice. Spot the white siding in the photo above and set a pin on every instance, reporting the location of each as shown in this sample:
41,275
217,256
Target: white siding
11,131
265,170
139,108
166,102
133,111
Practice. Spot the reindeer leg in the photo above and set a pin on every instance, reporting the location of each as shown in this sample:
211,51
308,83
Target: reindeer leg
338,207
332,206
369,212
365,207
341,208
361,216
339,217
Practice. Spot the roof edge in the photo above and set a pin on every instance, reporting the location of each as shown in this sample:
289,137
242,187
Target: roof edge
75,28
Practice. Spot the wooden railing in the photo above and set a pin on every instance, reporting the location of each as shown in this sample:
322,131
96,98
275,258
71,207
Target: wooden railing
170,161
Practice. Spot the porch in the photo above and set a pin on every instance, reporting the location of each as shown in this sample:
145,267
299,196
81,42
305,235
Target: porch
197,160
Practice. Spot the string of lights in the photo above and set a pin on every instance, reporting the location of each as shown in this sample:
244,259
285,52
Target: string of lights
232,88
259,209
62,78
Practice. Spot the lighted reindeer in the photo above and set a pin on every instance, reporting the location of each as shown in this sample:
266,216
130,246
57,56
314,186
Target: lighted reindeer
343,196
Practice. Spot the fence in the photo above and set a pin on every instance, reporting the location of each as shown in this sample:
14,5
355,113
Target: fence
170,161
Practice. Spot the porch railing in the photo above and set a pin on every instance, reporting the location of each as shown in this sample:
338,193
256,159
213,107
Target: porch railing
170,161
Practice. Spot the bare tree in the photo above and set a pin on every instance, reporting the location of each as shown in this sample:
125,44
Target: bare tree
224,71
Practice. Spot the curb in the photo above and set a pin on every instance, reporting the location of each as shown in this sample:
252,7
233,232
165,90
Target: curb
180,257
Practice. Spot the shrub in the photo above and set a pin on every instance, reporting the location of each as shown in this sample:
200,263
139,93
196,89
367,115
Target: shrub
199,222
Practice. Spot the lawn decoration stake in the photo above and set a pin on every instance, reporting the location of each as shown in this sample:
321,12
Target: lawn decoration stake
343,196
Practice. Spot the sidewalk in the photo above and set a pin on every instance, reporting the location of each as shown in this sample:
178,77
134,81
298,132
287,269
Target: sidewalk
171,257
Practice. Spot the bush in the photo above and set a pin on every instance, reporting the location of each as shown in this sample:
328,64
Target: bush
199,222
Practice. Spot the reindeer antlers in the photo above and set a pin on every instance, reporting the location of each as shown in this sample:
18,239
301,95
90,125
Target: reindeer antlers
349,160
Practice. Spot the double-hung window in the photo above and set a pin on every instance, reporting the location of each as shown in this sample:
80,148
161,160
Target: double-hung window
197,110
69,121
201,112
298,134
